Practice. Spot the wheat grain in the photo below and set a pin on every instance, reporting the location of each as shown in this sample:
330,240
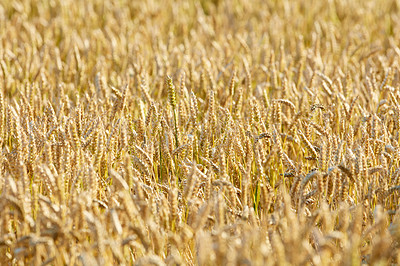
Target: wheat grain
105,161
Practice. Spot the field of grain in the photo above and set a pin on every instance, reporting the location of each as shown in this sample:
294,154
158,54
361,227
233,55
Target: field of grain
199,132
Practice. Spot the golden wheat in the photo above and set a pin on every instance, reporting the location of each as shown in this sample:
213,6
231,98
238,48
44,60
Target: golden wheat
199,132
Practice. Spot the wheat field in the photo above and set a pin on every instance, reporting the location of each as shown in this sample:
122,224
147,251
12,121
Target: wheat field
199,132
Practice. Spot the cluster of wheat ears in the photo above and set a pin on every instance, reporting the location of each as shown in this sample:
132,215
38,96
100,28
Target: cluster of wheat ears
199,132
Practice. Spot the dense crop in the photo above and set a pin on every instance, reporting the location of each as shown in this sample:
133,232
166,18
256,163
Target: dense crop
199,132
